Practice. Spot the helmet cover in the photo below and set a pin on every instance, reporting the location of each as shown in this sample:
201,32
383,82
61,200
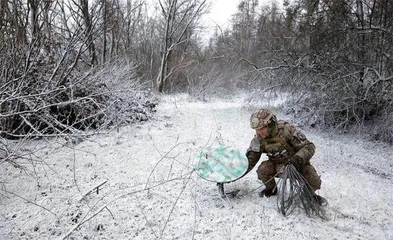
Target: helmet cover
262,118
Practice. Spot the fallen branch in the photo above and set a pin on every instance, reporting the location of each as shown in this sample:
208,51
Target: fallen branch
96,188
29,201
82,222
174,205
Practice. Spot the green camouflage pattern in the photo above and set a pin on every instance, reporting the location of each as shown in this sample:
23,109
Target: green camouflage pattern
223,164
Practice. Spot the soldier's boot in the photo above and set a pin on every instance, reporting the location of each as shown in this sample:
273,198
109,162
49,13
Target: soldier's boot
321,201
314,181
308,191
268,192
266,172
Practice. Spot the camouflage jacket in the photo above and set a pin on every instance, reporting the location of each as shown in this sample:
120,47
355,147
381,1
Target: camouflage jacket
287,143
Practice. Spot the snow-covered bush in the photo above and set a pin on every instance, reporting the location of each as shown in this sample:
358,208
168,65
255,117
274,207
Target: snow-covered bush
128,100
383,129
37,104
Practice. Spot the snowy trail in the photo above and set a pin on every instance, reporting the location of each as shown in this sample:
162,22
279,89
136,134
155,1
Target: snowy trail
152,193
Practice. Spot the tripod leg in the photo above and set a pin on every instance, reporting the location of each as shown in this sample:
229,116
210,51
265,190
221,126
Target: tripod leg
221,189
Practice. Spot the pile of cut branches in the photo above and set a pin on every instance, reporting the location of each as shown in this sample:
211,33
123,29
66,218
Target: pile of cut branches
40,102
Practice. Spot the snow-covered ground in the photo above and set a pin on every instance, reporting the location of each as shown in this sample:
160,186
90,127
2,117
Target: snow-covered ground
148,189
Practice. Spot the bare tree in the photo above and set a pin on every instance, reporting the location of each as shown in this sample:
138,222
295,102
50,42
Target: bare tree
180,19
87,19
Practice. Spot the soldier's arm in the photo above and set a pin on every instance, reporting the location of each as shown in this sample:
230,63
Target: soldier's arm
304,149
253,153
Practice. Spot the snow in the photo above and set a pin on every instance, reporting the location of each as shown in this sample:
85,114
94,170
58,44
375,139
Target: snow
149,189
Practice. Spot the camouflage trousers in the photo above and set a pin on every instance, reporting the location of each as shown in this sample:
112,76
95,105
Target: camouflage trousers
268,169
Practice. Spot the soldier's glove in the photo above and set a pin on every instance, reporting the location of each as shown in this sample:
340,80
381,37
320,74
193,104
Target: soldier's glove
295,161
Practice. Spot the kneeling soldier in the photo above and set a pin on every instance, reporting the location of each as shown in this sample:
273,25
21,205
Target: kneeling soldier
283,144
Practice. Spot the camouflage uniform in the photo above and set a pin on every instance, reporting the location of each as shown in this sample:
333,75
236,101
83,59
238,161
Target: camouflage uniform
284,143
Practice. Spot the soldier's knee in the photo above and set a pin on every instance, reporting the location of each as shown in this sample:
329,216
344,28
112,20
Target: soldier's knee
266,170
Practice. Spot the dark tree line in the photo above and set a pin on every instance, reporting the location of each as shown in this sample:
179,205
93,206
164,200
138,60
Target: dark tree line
334,57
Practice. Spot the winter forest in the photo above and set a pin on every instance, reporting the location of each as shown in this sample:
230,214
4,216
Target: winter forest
72,70
333,57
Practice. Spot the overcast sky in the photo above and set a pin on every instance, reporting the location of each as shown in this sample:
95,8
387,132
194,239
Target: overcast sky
221,11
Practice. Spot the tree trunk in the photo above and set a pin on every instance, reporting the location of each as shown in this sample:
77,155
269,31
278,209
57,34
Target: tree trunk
88,31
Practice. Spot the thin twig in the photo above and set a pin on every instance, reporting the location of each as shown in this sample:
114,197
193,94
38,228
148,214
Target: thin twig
27,200
82,222
93,189
174,205
162,158
74,169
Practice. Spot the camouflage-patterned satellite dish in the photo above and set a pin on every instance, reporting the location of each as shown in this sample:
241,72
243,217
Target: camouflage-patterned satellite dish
221,165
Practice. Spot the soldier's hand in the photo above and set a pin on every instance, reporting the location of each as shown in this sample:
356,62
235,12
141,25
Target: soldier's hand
281,170
295,160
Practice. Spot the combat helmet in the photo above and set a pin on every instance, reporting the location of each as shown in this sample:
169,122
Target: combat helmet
262,118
